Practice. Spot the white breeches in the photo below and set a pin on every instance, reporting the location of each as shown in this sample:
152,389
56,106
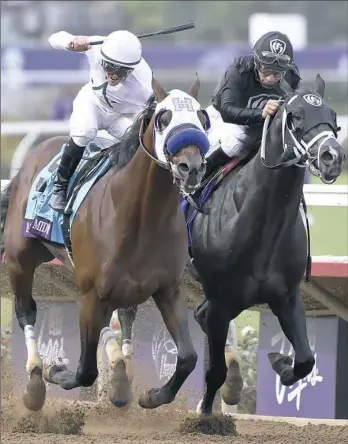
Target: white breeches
224,135
88,117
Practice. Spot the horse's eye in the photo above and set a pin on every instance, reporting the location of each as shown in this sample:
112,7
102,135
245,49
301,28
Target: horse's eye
165,119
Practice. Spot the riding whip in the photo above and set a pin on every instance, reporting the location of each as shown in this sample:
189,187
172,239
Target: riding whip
161,32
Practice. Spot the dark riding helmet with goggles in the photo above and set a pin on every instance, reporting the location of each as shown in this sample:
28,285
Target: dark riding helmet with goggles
273,52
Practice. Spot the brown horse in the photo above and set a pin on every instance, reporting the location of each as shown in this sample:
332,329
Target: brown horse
129,243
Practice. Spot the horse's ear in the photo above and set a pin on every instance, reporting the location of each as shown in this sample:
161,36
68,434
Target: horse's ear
194,89
158,90
319,85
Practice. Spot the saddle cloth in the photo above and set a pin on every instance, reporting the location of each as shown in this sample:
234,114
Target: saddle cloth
40,219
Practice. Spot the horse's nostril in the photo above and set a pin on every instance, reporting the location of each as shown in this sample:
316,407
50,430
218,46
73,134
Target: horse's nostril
183,168
327,157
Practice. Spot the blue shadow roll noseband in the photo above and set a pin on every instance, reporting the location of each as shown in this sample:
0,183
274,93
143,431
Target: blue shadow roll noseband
185,137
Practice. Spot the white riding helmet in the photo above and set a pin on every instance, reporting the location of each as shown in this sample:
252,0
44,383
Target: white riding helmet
121,49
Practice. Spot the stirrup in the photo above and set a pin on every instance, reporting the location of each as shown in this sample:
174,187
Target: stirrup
58,202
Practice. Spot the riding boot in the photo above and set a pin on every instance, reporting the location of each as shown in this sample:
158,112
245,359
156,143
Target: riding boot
216,159
71,157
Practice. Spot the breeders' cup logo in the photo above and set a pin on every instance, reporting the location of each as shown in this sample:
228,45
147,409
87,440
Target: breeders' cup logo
164,354
277,46
313,99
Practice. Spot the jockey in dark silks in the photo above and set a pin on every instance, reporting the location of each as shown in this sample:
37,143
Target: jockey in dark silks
247,94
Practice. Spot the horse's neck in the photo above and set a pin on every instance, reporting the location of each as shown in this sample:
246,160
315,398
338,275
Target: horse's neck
160,194
151,196
276,192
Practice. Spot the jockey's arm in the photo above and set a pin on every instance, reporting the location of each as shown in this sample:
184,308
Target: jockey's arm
66,41
231,98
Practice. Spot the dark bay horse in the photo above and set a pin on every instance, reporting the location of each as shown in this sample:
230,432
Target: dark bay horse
129,243
249,245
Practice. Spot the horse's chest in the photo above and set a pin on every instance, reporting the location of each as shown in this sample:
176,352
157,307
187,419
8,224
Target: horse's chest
261,288
137,276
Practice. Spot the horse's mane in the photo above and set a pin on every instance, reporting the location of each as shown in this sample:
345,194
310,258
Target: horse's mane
123,152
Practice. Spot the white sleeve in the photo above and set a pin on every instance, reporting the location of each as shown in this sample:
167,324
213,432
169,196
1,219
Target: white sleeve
60,40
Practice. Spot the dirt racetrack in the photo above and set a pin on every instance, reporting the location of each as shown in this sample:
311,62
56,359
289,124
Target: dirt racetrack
82,423
103,424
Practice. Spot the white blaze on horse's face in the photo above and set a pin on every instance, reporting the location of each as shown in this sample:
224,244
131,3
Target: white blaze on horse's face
178,109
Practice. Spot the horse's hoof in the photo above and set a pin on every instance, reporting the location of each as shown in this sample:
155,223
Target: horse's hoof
232,388
51,369
282,365
153,398
302,369
120,392
278,361
35,393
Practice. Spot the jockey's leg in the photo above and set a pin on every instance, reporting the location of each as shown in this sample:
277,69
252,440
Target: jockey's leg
83,129
224,140
72,154
117,125
216,159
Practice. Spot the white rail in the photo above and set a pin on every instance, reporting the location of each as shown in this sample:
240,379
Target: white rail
316,195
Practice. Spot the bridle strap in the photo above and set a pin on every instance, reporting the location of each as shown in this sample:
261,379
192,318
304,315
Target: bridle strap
300,148
142,146
287,163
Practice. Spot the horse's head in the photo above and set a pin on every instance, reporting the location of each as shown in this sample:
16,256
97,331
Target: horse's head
180,139
309,127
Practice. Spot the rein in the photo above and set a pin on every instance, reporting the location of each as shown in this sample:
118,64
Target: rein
296,156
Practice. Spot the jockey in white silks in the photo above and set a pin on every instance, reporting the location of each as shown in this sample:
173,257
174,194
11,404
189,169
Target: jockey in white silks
120,85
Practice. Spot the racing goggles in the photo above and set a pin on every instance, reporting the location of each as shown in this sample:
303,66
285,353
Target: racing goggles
122,72
266,71
270,58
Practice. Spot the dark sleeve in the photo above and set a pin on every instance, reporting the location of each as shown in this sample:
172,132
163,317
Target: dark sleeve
231,99
294,77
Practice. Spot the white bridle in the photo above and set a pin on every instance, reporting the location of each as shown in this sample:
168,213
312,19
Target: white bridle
300,148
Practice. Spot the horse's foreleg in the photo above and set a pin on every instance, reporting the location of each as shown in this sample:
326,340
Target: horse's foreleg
217,323
127,317
292,319
233,385
232,388
22,261
93,314
119,386
173,307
